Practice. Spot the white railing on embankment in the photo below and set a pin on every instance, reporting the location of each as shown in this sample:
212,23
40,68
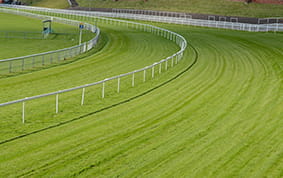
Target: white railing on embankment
160,66
233,24
263,24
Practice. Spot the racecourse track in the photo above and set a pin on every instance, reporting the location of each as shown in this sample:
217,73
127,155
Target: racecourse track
216,114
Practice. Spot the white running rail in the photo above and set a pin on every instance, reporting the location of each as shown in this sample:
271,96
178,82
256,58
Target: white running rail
160,66
171,18
27,62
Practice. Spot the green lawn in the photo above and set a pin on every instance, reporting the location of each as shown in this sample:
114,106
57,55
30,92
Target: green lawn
15,47
220,118
221,7
59,4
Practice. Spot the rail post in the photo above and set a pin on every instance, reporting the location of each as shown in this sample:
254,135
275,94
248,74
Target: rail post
57,103
103,89
33,61
42,60
166,64
23,64
118,85
176,60
10,66
83,97
23,112
133,79
144,75
152,71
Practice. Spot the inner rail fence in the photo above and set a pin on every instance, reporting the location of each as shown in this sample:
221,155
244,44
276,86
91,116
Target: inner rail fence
22,63
151,70
264,24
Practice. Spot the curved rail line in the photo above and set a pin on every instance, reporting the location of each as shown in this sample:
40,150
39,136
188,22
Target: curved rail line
60,54
175,58
195,60
233,24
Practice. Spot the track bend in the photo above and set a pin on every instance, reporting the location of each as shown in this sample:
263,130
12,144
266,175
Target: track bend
126,50
222,118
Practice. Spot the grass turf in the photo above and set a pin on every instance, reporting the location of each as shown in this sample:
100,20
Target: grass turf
220,7
20,47
221,118
59,4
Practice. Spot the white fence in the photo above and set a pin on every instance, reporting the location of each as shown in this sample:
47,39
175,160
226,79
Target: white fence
167,17
27,62
265,24
160,66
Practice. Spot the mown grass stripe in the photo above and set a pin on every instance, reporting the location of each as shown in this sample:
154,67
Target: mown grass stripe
217,119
